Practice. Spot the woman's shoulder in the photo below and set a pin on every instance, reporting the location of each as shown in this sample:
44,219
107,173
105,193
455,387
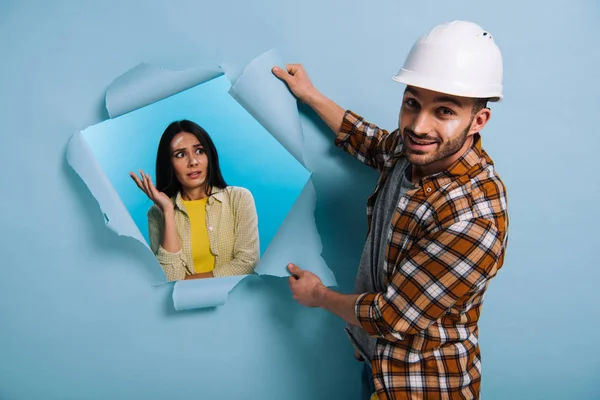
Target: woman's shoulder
237,190
238,194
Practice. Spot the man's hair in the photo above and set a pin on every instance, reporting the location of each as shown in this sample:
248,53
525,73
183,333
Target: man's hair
478,105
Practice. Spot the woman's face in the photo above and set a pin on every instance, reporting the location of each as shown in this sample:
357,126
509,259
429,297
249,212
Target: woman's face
190,162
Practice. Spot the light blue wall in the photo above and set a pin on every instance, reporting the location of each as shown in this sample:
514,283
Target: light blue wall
78,317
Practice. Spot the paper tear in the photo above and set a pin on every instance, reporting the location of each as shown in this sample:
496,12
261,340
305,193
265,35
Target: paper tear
146,84
203,293
298,242
81,158
270,102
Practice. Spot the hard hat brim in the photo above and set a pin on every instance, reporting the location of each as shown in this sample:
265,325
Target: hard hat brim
451,88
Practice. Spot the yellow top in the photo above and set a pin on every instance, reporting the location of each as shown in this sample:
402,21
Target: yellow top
204,261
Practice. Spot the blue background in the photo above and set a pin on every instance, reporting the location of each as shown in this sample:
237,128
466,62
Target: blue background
249,156
78,316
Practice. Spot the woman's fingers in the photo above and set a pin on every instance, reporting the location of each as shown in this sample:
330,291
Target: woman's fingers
151,186
159,198
146,186
139,182
152,192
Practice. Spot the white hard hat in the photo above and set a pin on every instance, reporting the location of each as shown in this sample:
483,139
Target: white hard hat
457,58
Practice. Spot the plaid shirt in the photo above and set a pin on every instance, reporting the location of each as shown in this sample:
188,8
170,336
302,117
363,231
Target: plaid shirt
446,242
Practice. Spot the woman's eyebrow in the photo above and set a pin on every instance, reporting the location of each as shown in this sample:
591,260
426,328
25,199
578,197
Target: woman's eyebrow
183,148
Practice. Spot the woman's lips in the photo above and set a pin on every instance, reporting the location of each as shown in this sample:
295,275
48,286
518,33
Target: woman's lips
194,175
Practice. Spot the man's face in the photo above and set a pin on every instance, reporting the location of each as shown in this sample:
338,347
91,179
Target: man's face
434,126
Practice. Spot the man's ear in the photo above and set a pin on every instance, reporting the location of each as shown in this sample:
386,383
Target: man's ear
480,120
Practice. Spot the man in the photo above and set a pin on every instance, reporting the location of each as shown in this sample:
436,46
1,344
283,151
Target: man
437,219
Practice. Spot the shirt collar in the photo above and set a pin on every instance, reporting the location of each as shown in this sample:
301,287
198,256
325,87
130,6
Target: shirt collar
217,195
461,167
470,159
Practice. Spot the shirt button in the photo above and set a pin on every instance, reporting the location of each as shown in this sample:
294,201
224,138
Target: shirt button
210,228
428,190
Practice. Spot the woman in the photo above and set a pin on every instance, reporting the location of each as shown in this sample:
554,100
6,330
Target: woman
198,226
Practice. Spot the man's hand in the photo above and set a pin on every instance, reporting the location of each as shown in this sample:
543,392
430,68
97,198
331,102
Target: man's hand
298,81
309,291
306,287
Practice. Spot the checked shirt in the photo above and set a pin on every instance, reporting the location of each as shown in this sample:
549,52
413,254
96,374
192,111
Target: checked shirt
446,241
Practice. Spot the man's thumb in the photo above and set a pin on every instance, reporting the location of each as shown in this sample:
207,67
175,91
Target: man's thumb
295,270
281,73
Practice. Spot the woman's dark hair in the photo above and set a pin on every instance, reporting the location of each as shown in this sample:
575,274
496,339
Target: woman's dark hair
166,181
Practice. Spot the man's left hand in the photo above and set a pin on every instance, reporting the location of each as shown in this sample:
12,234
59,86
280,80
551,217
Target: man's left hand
306,287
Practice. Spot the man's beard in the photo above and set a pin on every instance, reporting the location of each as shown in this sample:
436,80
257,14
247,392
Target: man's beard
443,150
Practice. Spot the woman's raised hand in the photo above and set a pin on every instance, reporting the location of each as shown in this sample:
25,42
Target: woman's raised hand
159,198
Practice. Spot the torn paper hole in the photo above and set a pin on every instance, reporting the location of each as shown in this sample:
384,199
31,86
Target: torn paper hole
289,236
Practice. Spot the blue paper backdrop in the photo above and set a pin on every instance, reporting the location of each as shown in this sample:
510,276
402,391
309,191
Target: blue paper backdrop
78,317
249,155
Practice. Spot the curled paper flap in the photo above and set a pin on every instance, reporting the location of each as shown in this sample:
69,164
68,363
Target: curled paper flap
298,240
203,293
269,101
81,158
146,84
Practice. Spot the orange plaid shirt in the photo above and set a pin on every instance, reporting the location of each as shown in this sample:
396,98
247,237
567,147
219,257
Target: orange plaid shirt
447,240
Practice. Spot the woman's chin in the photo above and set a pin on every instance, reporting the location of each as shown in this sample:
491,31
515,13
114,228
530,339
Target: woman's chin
193,184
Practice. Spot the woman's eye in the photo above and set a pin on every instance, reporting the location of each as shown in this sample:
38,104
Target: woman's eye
179,155
199,151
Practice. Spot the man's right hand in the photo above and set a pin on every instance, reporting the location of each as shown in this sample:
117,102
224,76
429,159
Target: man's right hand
298,81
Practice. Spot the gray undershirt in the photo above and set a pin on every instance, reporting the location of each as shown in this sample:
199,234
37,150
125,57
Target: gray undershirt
370,277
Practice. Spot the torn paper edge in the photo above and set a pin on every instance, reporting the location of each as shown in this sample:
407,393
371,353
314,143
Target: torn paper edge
294,145
151,84
201,282
80,157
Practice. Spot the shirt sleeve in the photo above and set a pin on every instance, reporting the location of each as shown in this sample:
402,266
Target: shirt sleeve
173,264
368,143
438,270
246,248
